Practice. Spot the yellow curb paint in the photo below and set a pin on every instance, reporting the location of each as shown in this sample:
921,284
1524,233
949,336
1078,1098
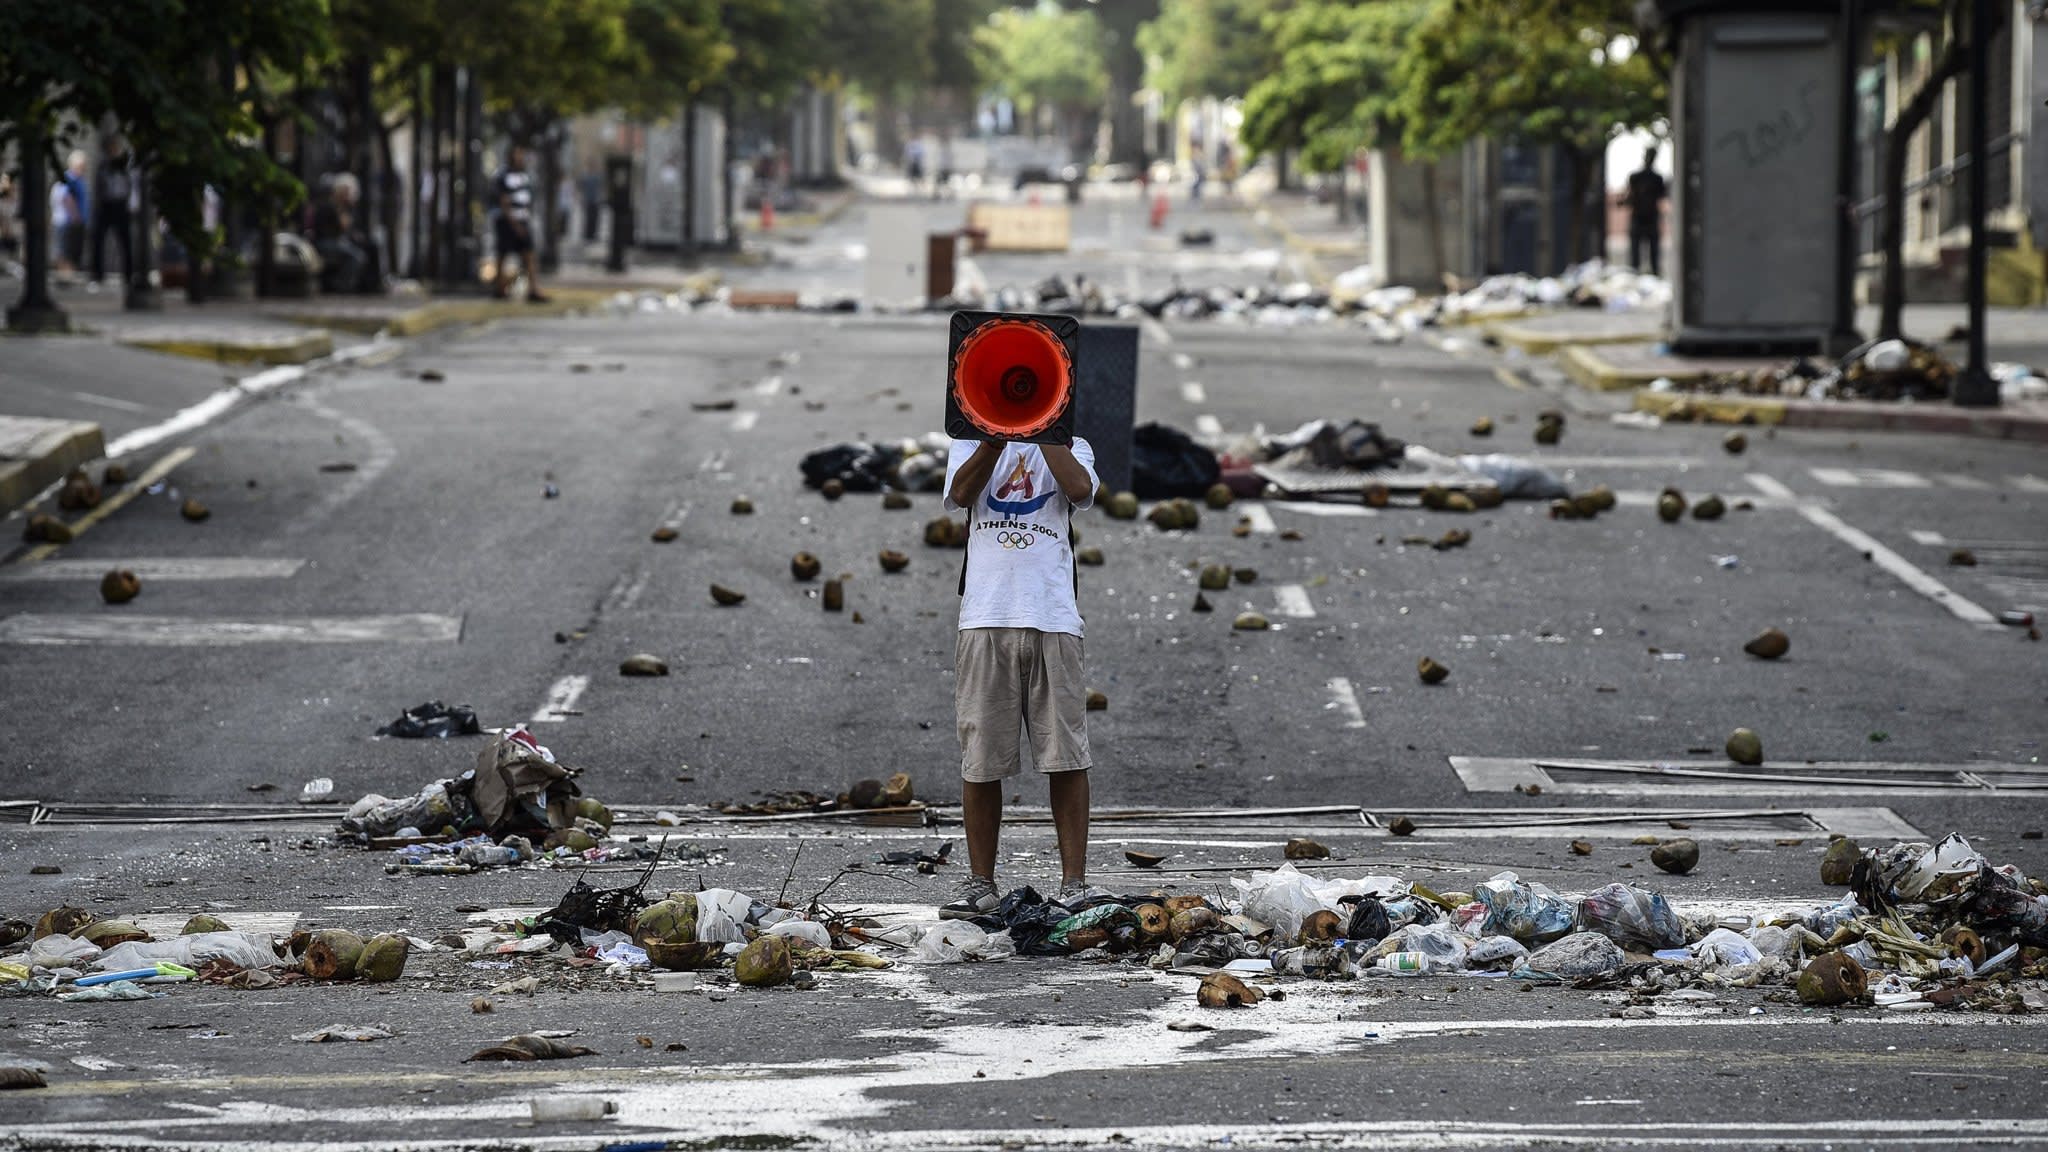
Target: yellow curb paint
114,503
1713,409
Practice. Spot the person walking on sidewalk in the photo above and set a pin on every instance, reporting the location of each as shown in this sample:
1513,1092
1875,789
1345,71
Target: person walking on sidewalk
514,229
1018,672
1647,192
112,185
68,214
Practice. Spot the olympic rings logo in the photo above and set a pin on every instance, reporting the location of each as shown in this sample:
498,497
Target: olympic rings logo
1017,540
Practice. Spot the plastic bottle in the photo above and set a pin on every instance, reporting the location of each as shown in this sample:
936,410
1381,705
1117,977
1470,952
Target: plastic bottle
488,855
1404,963
554,1108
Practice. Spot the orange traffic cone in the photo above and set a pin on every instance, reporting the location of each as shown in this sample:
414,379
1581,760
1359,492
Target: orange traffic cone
767,212
1158,210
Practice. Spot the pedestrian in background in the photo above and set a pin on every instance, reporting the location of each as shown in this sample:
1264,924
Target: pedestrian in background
68,213
113,184
348,262
514,227
1646,194
1017,659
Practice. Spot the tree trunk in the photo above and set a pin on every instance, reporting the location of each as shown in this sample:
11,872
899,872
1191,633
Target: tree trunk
1434,212
1575,228
414,231
142,295
1892,221
732,232
688,243
35,311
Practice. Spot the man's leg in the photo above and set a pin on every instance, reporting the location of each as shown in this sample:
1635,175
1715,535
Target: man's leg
1070,820
529,264
981,813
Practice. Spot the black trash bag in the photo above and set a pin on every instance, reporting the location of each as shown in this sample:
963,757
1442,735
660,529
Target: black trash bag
433,721
861,467
1368,920
1166,462
1030,919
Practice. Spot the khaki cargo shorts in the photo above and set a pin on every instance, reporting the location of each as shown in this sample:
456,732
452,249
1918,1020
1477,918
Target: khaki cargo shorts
1013,684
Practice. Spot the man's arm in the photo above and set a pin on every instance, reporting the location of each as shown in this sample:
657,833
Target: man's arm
974,475
1073,477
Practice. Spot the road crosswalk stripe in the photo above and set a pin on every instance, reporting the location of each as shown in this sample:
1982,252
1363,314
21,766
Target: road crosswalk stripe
1193,392
1209,426
36,628
1260,519
1344,700
745,420
2030,483
1907,573
1958,480
160,568
1869,478
1292,600
561,701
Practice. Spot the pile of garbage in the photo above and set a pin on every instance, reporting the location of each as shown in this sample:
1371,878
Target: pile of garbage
1881,370
1923,926
913,464
1593,284
518,796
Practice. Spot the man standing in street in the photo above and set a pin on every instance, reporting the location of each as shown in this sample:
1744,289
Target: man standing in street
111,186
1646,194
514,231
68,214
1018,673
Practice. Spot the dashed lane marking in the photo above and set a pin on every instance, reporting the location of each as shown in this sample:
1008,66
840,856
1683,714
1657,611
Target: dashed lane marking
1930,539
2030,483
768,387
1292,600
1907,573
1869,478
161,568
745,420
111,402
561,701
1958,480
379,454
1193,392
1156,331
117,501
1260,519
1323,508
713,463
1344,701
1209,426
180,632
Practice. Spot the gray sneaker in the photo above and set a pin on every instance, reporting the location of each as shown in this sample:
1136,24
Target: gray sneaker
972,896
1074,893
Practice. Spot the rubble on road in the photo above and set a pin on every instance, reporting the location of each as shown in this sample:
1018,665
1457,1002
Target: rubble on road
1896,371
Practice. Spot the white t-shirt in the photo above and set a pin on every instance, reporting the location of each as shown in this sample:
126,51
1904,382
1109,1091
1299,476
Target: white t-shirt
1020,564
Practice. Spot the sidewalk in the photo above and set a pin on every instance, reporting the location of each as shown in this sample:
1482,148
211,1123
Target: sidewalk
1326,246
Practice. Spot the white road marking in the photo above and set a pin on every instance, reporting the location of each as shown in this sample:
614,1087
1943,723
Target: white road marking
1958,480
181,632
561,700
1345,700
1574,776
713,463
625,591
1930,539
1869,478
768,387
1193,392
160,568
1909,575
2030,483
745,420
2023,593
111,402
210,409
1323,508
1208,426
1292,600
1261,520
379,452
1156,331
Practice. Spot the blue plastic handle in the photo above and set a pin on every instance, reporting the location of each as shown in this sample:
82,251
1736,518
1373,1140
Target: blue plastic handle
110,977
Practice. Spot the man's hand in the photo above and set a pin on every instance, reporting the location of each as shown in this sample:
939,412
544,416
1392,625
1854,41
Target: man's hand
974,475
1073,478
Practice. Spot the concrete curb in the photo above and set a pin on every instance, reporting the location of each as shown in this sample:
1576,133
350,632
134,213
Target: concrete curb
1538,342
198,344
36,453
1595,373
1847,416
439,314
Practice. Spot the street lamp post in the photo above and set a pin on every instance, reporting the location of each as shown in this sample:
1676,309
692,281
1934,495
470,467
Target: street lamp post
1975,388
35,311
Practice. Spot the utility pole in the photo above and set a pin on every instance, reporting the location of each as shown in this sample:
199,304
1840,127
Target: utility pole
1843,337
35,311
1975,388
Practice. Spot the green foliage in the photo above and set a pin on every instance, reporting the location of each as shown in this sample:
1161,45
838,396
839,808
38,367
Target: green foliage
879,44
1209,47
674,51
1044,57
1542,72
1333,89
160,70
774,45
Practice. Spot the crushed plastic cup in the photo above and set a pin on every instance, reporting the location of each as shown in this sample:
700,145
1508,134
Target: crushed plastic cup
319,790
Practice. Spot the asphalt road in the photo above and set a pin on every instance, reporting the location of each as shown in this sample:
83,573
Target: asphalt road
379,539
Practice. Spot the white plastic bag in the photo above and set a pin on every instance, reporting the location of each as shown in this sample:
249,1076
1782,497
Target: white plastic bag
60,951
720,912
243,949
958,941
1282,898
1496,952
1724,949
809,931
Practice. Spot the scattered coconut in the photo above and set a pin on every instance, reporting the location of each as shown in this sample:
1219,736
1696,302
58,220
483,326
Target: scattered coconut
114,476
945,532
670,921
1322,924
1962,558
1122,506
110,933
1145,860
765,963
1222,990
1459,502
1435,496
1483,426
897,790
1430,671
1735,443
383,959
665,534
1376,495
1250,622
1154,925
894,561
1670,505
1745,747
1581,848
726,597
832,489
866,793
1097,702
1242,528
1831,978
47,530
1219,496
332,954
1402,826
79,492
1291,534
1677,857
204,923
1246,575
1214,577
804,566
594,810
741,506
193,510
1485,496
63,920
643,664
1192,921
1201,604
1303,848
119,586
1709,509
1769,644
835,596
1838,865
895,501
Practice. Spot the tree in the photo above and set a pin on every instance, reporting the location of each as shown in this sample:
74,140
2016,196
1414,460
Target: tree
1332,90
1119,21
1046,60
1952,57
1215,48
1542,73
